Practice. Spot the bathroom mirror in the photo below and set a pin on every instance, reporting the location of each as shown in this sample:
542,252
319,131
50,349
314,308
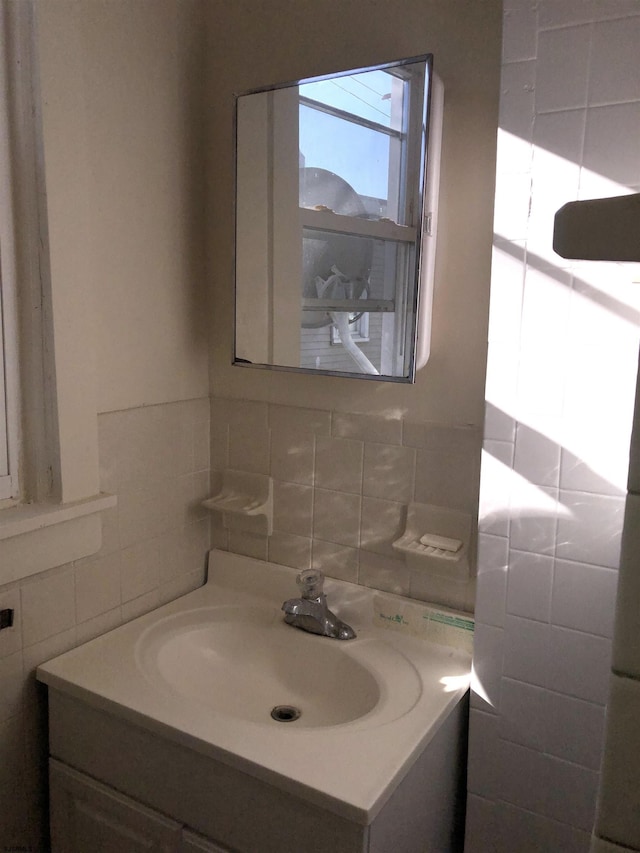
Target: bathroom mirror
331,222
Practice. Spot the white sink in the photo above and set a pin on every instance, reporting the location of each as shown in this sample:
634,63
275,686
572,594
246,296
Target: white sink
245,661
205,671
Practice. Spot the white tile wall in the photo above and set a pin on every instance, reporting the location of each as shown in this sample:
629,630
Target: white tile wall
342,483
560,393
156,460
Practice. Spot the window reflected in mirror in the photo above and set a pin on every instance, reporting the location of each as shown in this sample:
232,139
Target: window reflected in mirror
330,187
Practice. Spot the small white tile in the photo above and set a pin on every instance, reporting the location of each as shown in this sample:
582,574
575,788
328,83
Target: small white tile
537,457
517,104
626,646
496,479
201,445
502,451
558,138
336,517
11,683
483,769
480,831
523,713
97,586
336,561
439,590
292,508
493,558
519,34
560,13
48,649
11,764
292,452
180,586
540,381
443,438
590,528
219,440
143,513
563,61
507,289
510,219
615,75
618,816
546,303
577,475
606,146
498,425
289,550
109,438
578,664
389,472
575,730
533,517
584,597
370,428
526,652
140,569
383,522
310,421
525,832
529,585
248,544
139,606
48,606
501,387
381,572
194,544
604,9
571,794
339,464
448,479
524,776
99,625
488,651
249,448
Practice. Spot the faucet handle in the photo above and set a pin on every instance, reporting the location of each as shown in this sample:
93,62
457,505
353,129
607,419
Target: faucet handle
311,582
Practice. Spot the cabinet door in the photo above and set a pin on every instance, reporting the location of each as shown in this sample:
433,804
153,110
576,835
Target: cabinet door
87,816
197,844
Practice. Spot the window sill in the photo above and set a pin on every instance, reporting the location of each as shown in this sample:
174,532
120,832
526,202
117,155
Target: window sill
37,537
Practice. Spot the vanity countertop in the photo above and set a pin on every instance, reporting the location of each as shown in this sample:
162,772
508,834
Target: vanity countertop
392,685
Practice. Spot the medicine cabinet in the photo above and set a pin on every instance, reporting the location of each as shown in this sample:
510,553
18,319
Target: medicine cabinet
336,187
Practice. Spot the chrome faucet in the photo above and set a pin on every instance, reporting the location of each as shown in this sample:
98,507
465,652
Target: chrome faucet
310,611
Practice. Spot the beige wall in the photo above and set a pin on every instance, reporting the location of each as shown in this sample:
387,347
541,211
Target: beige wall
252,45
121,93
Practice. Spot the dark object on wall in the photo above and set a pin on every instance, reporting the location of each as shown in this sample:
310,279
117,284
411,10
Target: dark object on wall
603,229
6,618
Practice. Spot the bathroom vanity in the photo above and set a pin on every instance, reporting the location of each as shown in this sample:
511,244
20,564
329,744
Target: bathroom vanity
162,739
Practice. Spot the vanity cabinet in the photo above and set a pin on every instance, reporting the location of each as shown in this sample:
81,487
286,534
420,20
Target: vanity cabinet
88,816
156,795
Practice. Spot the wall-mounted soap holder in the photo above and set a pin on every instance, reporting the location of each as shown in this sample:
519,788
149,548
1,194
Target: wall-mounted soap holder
436,539
245,501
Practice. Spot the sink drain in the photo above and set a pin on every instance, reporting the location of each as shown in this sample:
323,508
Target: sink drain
285,713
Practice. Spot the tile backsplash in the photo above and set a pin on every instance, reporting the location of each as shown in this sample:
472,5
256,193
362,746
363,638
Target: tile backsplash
342,483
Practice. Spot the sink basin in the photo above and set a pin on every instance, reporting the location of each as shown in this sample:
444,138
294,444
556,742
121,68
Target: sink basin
245,661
